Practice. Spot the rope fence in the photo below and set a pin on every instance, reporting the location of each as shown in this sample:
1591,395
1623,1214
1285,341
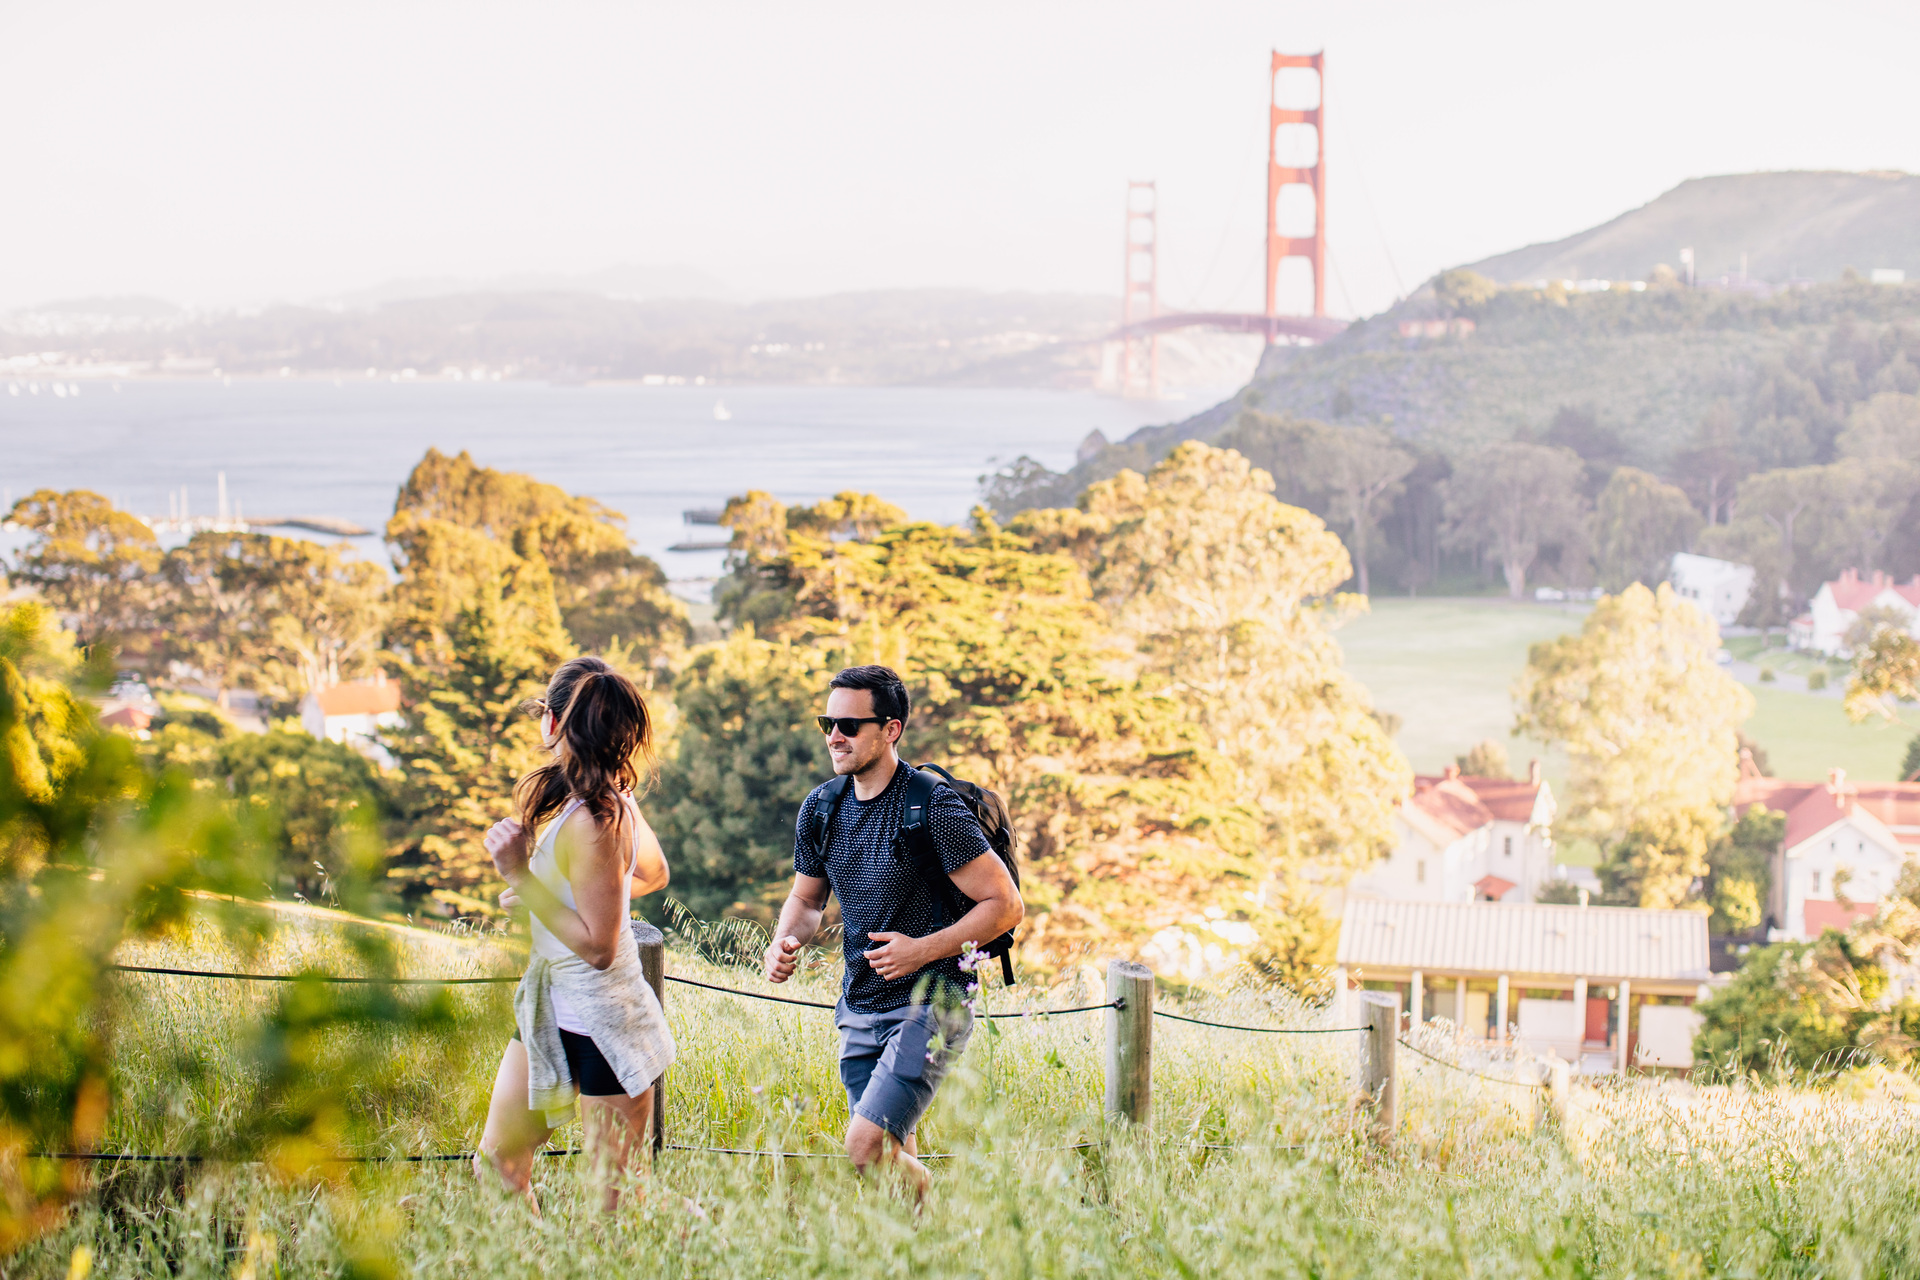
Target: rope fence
454,982
815,1004
115,1157
1469,1071
1130,1015
1265,1031
309,977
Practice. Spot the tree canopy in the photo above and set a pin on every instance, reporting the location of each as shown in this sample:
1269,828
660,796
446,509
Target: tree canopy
1641,523
1512,500
1648,719
1148,677
458,526
90,560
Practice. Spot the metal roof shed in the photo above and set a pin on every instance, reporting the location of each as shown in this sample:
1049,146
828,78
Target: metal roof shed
1443,949
1526,941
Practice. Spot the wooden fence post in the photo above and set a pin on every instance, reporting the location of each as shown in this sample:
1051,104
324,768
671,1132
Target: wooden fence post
1130,1041
1380,1075
653,963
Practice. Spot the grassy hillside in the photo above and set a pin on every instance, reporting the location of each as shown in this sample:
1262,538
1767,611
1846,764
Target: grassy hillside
1812,226
1256,1163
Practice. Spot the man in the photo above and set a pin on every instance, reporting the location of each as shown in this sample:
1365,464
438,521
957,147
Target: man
901,1018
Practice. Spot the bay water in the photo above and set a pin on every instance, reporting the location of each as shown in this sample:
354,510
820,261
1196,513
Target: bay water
293,446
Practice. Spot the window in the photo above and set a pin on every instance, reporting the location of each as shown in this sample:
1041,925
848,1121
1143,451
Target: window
1509,846
1816,880
1420,871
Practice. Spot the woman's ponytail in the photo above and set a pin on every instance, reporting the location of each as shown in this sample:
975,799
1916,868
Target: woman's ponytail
601,729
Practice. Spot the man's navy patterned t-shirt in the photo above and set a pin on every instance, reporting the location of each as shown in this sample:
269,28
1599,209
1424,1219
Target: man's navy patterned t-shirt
884,892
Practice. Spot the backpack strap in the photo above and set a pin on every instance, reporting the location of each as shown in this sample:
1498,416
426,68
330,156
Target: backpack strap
916,839
919,796
823,810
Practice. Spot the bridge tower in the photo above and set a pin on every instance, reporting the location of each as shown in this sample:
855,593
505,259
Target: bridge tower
1140,298
1296,170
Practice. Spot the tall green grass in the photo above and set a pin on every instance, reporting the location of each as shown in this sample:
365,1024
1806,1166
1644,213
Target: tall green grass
1647,1178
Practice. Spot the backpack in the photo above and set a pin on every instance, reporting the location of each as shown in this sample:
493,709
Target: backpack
916,840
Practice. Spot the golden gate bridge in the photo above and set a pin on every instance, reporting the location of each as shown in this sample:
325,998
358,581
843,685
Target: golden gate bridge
1296,233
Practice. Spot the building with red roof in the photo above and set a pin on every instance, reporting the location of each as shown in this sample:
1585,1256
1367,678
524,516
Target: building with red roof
1837,605
1845,846
1467,839
354,712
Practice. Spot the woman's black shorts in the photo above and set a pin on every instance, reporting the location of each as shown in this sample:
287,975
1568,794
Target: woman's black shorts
592,1073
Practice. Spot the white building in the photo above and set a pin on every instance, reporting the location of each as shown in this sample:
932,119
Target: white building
1837,606
1720,588
353,713
1467,840
1845,846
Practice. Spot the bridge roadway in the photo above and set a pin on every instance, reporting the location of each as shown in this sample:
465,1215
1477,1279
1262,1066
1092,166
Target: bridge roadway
1307,328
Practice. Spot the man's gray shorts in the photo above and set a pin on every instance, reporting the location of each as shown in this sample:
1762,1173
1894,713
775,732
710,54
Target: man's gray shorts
885,1065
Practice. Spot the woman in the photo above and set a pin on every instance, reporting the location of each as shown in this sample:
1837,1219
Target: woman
587,1024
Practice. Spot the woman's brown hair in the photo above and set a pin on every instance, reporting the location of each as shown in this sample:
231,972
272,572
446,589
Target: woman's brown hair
600,728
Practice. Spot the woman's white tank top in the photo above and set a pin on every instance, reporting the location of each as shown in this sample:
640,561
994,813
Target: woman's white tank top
545,866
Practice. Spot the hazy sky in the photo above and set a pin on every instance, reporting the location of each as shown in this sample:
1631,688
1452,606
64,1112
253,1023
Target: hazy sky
224,153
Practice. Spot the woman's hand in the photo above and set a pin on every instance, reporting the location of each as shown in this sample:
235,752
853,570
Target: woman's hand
510,901
507,845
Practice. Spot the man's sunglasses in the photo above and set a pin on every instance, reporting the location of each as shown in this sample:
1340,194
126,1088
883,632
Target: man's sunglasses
849,726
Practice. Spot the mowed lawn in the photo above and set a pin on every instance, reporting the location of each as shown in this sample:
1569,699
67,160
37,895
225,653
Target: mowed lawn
1806,735
1447,667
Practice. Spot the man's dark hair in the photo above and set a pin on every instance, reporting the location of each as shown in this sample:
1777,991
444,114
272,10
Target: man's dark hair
889,690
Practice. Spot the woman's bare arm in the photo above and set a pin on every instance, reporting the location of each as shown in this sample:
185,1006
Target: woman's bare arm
595,867
650,865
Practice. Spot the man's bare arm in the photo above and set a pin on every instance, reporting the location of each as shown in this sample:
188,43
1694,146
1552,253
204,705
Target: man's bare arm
799,922
996,909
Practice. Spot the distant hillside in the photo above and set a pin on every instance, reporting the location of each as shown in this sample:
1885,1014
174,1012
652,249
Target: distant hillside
1809,226
1647,365
948,337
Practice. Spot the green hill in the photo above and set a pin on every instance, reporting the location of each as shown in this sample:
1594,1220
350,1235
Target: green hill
1808,226
1701,386
1646,366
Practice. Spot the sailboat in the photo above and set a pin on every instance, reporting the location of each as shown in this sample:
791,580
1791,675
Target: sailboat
720,413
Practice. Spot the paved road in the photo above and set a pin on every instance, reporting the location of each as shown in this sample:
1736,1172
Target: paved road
1749,673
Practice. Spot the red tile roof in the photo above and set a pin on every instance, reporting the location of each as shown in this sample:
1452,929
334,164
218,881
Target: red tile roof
127,717
1492,887
1448,806
1822,916
359,698
1507,800
1444,809
1812,807
1852,592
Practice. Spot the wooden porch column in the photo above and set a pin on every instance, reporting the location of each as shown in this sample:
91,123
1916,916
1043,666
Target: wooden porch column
1626,1015
1500,1009
1417,1006
1459,1007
